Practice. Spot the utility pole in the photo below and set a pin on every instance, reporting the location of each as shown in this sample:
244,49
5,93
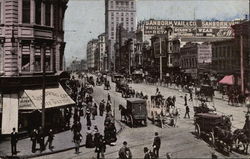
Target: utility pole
43,87
160,61
242,64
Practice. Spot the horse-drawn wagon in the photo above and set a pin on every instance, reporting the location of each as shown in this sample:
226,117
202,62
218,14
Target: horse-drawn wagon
135,112
161,112
216,127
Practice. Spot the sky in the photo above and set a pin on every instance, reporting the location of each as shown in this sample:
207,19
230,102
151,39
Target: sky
85,19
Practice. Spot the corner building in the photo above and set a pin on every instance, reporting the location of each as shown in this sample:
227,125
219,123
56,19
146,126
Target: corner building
31,32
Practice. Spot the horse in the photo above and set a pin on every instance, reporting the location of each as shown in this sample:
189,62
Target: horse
224,136
123,112
242,136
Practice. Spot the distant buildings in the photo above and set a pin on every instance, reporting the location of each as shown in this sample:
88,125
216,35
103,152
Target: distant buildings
91,52
78,65
118,12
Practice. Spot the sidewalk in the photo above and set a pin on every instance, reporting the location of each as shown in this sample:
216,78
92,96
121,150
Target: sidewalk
62,141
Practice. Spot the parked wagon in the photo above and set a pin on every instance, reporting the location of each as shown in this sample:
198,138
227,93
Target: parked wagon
135,112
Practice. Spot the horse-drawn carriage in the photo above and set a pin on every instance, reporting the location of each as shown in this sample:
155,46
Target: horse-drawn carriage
116,77
161,112
217,128
137,76
204,106
121,86
135,112
205,92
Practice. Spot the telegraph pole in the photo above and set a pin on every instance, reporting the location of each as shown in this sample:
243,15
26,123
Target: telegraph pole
242,64
160,61
43,87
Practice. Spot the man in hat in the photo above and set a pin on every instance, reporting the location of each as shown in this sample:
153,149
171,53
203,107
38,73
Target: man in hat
185,99
124,152
101,107
88,114
156,145
33,138
146,153
14,140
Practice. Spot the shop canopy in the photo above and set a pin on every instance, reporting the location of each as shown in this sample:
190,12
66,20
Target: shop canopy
229,80
54,97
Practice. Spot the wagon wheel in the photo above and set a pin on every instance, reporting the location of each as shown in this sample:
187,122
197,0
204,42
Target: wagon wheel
131,120
211,138
197,130
145,122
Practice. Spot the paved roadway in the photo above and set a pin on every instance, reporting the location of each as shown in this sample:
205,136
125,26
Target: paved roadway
179,141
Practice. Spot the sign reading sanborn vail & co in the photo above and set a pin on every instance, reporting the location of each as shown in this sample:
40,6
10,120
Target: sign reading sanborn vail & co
215,28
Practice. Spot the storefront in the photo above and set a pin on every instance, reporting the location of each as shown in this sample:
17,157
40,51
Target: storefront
22,109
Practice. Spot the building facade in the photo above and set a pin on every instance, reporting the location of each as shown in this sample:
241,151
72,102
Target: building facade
31,38
31,32
91,52
118,12
225,58
196,59
101,52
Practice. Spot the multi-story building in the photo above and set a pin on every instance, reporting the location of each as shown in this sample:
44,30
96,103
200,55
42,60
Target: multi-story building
196,59
242,36
118,12
91,52
31,38
101,52
225,58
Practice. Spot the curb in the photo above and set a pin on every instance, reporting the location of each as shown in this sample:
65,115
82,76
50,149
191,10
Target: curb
58,151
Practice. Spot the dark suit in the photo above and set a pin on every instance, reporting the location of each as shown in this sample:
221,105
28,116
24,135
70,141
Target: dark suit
14,139
156,145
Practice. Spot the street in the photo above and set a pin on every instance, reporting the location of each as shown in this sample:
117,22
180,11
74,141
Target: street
180,141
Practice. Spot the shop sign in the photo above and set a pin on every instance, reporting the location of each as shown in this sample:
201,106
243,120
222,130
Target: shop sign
204,54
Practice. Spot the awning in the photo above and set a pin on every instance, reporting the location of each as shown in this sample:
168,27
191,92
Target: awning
227,80
54,97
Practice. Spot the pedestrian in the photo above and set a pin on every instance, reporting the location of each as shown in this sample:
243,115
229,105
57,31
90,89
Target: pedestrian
89,138
109,98
124,152
94,111
185,99
187,112
101,108
146,153
77,140
88,117
78,126
157,90
190,95
96,135
174,100
50,139
156,144
33,138
100,148
108,107
14,139
40,137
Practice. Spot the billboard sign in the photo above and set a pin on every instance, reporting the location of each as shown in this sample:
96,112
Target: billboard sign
204,53
214,28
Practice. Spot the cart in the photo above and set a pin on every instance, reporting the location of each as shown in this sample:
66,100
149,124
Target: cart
135,112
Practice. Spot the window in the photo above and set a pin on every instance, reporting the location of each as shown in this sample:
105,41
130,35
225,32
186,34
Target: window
47,59
38,12
26,63
37,63
1,59
121,19
132,4
26,11
126,4
48,14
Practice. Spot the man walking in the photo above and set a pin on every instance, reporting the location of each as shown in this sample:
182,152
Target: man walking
100,147
185,99
187,112
101,108
50,139
40,138
156,145
77,141
109,98
124,152
14,140
33,138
